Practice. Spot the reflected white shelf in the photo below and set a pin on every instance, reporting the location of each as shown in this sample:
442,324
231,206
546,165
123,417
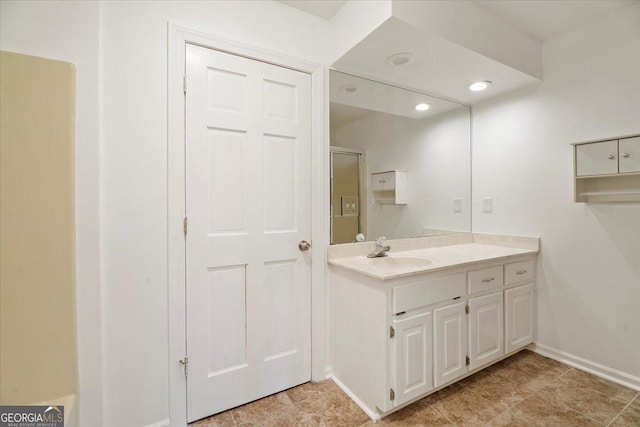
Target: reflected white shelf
610,193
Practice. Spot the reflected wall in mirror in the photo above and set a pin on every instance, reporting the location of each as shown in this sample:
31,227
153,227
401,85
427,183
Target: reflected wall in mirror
425,156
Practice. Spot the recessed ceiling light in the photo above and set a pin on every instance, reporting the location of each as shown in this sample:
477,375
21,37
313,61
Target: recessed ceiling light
348,89
478,86
422,107
400,59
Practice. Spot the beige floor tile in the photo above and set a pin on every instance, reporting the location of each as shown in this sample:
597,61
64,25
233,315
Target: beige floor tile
312,390
540,411
630,416
440,394
583,399
416,415
223,419
507,419
466,408
525,389
525,372
497,389
277,409
331,407
606,387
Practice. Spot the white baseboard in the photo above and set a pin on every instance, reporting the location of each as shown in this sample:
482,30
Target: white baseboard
162,423
372,414
594,368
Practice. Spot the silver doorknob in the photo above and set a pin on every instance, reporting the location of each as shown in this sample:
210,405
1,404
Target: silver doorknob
625,155
611,157
304,245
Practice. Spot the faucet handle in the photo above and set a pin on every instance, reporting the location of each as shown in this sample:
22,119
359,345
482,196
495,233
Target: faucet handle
382,242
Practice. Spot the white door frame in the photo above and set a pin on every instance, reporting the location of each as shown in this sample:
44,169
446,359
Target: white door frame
178,38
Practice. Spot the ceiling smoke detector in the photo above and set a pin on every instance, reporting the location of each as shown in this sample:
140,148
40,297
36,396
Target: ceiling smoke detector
348,89
400,59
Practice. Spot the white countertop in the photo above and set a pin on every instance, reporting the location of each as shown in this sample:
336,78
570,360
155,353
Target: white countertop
417,260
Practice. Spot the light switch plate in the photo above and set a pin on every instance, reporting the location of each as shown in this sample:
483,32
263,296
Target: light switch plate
457,205
487,204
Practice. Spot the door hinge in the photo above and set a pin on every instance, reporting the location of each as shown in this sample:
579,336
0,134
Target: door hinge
185,362
466,309
467,361
392,332
392,394
184,226
184,84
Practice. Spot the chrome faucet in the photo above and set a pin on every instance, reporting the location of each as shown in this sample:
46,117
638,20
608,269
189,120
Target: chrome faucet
382,247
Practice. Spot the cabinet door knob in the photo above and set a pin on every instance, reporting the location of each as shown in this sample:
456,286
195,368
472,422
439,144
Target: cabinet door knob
625,155
611,157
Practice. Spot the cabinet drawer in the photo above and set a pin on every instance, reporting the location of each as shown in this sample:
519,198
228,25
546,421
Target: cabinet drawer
484,279
427,292
517,272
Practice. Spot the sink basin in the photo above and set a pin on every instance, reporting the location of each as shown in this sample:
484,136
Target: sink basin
401,262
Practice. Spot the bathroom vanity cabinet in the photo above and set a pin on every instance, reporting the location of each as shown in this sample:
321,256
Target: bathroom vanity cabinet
607,171
397,340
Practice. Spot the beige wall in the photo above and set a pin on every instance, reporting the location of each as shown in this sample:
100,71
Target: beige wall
38,350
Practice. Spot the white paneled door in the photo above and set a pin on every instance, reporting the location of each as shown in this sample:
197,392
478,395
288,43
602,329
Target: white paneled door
248,204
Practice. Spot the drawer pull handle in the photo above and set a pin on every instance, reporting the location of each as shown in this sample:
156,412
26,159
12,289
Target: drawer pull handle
521,271
625,155
488,280
611,157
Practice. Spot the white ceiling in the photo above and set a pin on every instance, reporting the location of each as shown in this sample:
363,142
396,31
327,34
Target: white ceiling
322,8
540,19
545,19
441,67
375,96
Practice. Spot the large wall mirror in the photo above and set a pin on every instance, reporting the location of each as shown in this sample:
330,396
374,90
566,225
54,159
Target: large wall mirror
400,162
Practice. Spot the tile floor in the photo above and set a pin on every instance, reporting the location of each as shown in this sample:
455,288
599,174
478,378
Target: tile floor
524,390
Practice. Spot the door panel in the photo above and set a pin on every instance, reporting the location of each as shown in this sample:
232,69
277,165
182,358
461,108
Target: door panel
485,329
248,205
413,349
450,344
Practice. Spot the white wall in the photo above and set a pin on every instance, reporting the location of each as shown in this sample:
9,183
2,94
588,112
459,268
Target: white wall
120,49
68,31
589,267
436,154
134,160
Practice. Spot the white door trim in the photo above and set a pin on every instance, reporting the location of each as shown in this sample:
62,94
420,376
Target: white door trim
177,40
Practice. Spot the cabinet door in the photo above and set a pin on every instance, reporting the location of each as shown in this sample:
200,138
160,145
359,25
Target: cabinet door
377,181
519,315
413,349
450,343
485,329
598,158
389,180
629,155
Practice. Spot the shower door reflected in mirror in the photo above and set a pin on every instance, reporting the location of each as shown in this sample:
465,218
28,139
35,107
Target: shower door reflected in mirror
346,188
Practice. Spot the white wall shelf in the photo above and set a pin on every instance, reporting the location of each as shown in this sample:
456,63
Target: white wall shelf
607,170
